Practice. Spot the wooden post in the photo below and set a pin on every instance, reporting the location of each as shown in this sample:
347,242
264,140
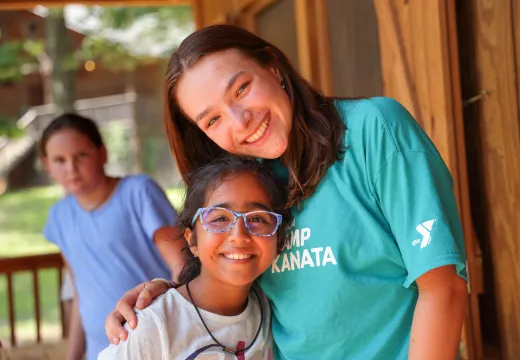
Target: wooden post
37,315
10,305
197,13
323,48
313,43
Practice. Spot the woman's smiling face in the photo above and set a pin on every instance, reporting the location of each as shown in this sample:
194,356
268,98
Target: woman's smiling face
239,104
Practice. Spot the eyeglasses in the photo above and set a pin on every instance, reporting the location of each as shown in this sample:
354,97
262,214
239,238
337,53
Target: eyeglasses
219,220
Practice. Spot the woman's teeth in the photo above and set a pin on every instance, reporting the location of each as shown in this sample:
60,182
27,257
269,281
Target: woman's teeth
238,256
261,130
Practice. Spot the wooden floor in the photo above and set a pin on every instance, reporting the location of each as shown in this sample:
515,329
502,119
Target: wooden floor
37,352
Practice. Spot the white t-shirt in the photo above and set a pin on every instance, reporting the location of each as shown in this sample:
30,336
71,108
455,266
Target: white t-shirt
171,329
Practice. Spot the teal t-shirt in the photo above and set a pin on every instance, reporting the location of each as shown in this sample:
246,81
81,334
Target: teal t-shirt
383,215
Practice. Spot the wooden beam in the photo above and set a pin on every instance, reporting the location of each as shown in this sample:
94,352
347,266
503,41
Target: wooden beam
198,16
243,4
303,16
312,31
323,48
248,18
30,4
472,332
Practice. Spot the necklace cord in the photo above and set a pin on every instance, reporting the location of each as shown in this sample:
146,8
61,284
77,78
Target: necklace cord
225,348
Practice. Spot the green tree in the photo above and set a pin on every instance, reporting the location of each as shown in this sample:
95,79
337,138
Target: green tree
19,56
55,62
51,56
161,21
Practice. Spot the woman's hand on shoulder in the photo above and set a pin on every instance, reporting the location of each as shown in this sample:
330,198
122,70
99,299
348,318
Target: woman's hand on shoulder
141,296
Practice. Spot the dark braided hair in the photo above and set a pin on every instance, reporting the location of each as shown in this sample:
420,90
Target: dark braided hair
208,178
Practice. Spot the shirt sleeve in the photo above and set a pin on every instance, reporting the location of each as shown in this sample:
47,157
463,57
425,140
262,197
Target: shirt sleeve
156,209
415,192
145,342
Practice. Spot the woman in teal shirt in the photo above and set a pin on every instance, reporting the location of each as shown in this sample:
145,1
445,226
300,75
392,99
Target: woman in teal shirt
375,265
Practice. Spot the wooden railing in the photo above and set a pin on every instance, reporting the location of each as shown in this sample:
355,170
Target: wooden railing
34,121
32,264
103,109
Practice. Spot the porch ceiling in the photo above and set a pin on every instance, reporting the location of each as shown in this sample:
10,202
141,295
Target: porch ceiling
29,4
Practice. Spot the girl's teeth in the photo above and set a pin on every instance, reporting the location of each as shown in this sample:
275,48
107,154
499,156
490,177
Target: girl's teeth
261,130
238,256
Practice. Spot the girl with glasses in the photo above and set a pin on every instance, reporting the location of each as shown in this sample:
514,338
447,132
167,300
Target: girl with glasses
234,221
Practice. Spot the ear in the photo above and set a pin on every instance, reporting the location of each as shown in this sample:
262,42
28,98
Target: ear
104,155
190,239
46,163
276,73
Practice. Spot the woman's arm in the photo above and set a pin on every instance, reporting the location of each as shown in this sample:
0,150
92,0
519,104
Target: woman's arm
170,242
149,340
438,316
141,296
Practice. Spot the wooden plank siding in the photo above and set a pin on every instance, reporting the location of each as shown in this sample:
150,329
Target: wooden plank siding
419,60
490,52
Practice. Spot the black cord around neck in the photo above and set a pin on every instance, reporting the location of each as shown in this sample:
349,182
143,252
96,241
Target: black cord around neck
217,343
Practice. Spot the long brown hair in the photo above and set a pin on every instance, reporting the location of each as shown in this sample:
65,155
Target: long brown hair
315,141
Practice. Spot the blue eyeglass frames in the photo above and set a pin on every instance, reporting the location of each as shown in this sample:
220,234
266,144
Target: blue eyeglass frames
219,220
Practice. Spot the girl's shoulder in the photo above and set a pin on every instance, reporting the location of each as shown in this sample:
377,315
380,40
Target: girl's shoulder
162,308
137,186
136,182
63,206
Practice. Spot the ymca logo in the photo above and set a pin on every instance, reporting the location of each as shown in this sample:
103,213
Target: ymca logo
425,230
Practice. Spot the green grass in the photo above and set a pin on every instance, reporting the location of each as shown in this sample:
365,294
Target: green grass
176,196
22,217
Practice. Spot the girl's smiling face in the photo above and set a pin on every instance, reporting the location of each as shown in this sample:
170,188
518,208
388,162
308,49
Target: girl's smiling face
235,257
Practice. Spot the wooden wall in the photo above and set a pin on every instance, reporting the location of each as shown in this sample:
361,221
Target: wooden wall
489,37
277,24
208,12
419,59
299,28
354,48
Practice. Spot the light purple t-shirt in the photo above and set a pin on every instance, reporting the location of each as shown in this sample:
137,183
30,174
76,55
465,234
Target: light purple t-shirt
110,249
